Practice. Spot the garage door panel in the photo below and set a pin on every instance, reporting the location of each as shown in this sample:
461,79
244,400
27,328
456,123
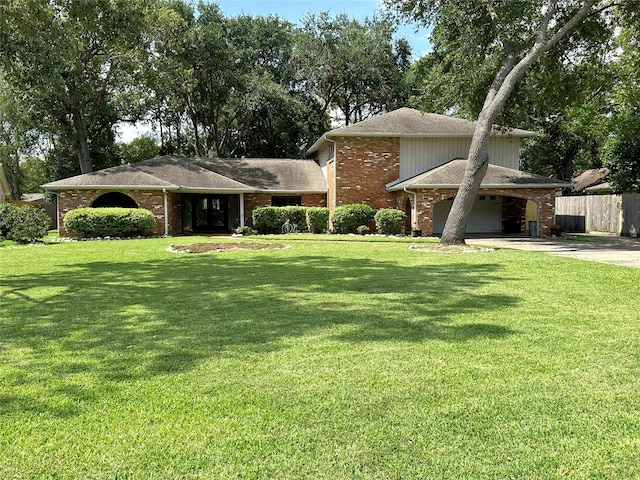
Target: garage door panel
486,215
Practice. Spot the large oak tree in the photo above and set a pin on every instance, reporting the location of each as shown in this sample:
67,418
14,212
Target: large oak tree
500,40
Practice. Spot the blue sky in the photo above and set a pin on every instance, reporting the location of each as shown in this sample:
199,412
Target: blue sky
295,10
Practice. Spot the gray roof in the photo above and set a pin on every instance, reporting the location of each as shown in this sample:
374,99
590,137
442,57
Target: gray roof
205,175
408,122
449,175
589,178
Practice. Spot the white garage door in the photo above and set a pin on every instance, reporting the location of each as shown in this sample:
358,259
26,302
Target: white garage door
485,216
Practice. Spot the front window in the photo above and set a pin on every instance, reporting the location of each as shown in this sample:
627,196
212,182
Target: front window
285,201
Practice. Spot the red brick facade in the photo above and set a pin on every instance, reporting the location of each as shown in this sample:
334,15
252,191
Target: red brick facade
514,204
362,169
152,200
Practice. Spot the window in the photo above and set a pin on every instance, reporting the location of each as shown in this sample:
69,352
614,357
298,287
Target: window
282,201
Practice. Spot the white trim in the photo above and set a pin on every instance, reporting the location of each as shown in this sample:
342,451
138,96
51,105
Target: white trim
110,187
166,217
241,209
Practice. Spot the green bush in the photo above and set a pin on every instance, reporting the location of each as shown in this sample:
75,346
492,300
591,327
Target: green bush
22,223
317,219
267,219
245,231
390,221
110,222
347,218
363,230
295,214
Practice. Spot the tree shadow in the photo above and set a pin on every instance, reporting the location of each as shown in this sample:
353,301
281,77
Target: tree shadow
125,321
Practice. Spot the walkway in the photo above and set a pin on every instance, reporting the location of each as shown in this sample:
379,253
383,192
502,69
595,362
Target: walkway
596,248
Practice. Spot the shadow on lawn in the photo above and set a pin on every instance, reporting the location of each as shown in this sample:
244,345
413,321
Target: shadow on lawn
129,320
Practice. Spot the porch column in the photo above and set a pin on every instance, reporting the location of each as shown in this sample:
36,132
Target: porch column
241,209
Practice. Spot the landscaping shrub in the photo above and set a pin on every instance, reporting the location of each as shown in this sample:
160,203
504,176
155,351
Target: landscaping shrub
363,230
267,219
317,219
22,223
390,221
295,214
110,222
347,218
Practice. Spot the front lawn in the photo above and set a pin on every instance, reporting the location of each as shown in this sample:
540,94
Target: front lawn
327,360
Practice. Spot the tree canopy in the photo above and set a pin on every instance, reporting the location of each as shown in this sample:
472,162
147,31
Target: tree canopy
487,47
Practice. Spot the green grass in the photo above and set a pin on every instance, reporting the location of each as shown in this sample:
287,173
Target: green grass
328,360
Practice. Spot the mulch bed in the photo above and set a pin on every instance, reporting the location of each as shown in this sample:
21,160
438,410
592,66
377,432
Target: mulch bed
223,247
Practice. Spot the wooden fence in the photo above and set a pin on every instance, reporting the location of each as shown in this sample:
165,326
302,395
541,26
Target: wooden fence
619,214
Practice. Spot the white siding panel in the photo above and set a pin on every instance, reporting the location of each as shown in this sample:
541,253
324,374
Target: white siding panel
417,155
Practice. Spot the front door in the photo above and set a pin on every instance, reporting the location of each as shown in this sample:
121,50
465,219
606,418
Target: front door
209,213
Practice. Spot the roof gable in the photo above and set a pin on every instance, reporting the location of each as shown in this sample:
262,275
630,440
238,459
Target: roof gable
450,174
409,122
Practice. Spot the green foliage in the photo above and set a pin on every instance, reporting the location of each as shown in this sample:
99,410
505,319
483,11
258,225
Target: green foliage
389,221
139,149
110,222
347,218
22,223
34,174
271,219
363,230
267,219
295,214
353,67
317,219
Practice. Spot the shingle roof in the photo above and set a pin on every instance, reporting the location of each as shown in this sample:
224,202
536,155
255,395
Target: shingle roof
408,122
205,174
449,175
589,178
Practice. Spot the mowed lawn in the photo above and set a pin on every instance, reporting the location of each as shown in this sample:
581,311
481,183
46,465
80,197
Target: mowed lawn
327,360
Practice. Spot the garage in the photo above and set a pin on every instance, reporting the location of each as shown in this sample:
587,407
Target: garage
486,215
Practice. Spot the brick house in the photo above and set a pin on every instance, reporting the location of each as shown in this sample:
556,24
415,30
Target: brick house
405,159
415,162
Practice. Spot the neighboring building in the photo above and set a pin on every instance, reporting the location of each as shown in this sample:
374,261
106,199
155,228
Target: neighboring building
404,159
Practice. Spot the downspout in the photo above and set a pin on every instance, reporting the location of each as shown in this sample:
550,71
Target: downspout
166,218
242,209
414,210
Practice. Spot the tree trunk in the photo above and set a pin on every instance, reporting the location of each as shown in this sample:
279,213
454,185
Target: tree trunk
81,141
497,96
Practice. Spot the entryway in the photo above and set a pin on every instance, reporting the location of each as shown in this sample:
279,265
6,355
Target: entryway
209,213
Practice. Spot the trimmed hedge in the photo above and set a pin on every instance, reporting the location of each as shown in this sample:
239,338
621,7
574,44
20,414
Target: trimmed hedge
347,218
267,219
317,219
110,222
271,219
390,221
22,223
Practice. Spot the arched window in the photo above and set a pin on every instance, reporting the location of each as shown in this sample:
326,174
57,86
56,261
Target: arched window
114,199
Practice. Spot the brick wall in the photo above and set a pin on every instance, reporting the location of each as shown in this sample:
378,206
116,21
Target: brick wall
151,200
544,197
363,167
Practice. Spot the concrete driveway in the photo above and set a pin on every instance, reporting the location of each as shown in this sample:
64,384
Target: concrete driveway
596,248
